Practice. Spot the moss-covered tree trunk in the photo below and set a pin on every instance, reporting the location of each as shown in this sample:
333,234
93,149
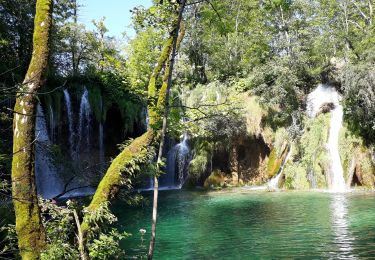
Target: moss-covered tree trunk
135,153
29,228
163,102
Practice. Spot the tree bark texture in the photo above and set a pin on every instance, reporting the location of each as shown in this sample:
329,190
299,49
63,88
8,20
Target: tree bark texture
163,102
29,228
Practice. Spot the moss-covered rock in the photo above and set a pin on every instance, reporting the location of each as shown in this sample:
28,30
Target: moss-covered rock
215,180
310,156
278,153
296,177
356,160
274,164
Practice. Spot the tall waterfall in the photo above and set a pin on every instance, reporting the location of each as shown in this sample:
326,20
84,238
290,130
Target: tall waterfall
338,182
84,123
324,94
177,161
48,182
69,110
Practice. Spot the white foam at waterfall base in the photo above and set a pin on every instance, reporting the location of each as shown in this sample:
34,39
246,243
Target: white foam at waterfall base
324,94
49,184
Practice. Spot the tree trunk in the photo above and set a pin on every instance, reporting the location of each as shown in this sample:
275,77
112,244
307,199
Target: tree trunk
29,228
135,153
81,246
164,102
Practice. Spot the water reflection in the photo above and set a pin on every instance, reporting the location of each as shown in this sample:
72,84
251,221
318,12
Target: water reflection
340,225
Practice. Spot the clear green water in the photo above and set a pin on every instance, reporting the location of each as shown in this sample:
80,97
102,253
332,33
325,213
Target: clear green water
255,225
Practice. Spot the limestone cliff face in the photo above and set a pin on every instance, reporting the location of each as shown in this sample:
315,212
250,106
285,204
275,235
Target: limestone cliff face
256,155
244,161
247,158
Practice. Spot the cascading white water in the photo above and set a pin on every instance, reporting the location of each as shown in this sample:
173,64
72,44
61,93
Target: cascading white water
182,159
338,182
147,118
177,160
48,182
273,184
69,110
322,95
84,123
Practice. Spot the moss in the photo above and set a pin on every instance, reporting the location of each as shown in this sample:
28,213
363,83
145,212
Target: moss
96,102
311,156
274,164
198,165
295,177
30,233
215,180
29,228
42,25
120,171
351,147
154,115
126,164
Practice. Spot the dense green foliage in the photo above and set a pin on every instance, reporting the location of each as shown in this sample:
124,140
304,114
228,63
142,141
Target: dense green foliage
243,72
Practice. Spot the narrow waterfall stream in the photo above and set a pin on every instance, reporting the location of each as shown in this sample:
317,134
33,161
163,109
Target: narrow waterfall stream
84,123
69,110
273,184
178,159
338,182
323,95
49,184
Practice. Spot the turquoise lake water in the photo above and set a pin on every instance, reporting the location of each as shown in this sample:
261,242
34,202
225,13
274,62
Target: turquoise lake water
240,224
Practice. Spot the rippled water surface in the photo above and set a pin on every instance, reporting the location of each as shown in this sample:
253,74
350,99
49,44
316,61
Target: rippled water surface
255,225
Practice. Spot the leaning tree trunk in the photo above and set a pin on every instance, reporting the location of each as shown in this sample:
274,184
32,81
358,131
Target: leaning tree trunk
163,102
123,166
29,228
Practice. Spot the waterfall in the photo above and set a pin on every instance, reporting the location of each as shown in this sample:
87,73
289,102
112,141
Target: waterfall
273,184
68,104
338,182
84,123
324,95
51,123
48,182
176,169
183,159
147,118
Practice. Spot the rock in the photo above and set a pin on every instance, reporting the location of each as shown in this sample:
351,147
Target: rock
215,180
325,108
